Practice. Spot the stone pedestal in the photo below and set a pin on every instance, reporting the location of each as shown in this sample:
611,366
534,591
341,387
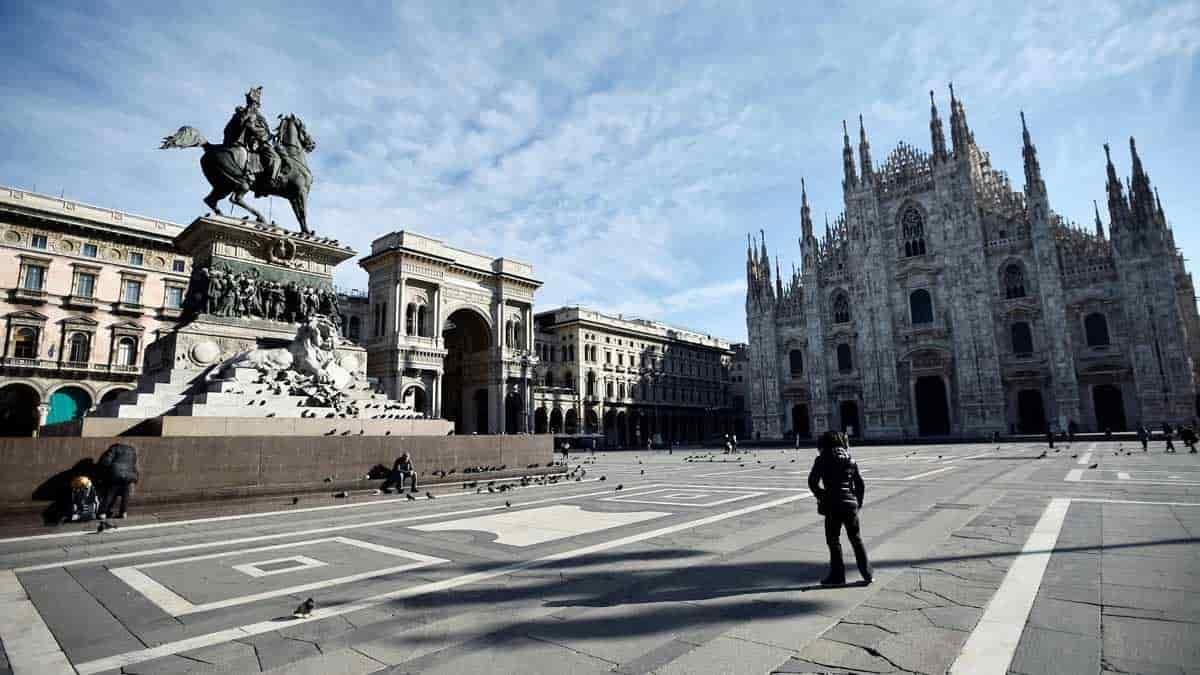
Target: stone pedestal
253,286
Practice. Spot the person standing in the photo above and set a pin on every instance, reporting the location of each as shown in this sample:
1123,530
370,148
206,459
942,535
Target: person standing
839,489
401,469
1049,435
119,467
1168,435
1144,437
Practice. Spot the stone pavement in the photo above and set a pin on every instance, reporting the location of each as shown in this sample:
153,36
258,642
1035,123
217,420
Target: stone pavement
694,566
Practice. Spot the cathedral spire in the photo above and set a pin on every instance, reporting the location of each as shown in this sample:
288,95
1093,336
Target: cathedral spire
1033,170
1158,205
778,280
1118,208
864,152
1099,225
1141,196
850,178
805,212
960,133
936,134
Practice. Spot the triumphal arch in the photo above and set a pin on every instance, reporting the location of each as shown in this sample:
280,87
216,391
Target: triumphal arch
451,332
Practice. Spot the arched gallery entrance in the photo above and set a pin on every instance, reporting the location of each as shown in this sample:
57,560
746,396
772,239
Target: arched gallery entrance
68,403
414,397
571,422
591,422
540,425
1110,407
18,410
800,420
556,421
933,411
467,339
1031,412
848,411
514,413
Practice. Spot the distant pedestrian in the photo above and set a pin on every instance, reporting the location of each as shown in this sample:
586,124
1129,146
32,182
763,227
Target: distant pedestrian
1168,435
839,489
1049,435
402,468
797,440
119,469
733,441
566,449
1188,436
1072,428
996,437
1144,437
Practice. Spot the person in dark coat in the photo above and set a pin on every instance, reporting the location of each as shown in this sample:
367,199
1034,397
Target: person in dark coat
119,470
1169,435
401,469
838,486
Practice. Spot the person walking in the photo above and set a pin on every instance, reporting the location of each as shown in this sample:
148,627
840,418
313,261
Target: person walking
401,469
1049,435
1168,435
1144,437
839,489
1187,434
119,467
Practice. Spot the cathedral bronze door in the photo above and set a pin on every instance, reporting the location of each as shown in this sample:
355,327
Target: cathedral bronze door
933,412
1110,408
800,420
848,411
1031,412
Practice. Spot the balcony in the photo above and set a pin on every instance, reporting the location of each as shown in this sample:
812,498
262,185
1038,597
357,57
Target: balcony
32,295
22,362
130,308
169,312
74,365
123,368
81,301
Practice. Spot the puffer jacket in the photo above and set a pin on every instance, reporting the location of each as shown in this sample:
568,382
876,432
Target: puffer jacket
120,462
835,480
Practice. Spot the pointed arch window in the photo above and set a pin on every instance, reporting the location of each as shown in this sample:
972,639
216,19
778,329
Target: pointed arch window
912,231
844,361
920,304
1022,339
841,308
1014,281
1095,327
796,361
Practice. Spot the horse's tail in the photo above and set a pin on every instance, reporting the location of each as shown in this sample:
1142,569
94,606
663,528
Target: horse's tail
186,137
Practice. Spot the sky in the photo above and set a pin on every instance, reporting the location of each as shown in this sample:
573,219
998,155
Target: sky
624,149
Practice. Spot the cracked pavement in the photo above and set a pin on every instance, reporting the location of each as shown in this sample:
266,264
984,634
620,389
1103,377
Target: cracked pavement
699,566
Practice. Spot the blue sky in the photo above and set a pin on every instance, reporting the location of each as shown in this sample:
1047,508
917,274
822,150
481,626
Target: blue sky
625,149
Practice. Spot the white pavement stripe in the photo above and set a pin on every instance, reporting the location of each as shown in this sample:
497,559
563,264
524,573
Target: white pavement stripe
1123,475
990,647
963,459
1100,500
29,644
167,649
1085,458
263,514
919,475
1074,476
285,535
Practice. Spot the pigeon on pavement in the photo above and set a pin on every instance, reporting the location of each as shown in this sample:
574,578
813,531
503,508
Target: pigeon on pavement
304,609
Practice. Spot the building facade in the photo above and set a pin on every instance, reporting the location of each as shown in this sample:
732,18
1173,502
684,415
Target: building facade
451,332
634,381
86,289
942,302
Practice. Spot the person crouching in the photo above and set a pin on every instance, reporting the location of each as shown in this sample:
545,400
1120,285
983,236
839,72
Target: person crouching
838,486
401,469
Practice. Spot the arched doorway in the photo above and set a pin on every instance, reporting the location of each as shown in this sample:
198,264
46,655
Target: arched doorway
467,339
933,413
112,395
19,410
556,421
571,422
1031,412
514,412
848,411
622,430
414,397
1110,407
539,421
591,423
68,403
800,420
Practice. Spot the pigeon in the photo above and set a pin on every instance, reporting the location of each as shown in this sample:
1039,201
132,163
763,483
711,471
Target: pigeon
429,495
342,495
295,500
772,467
1074,455
508,504
409,497
1094,465
478,491
1043,455
643,472
304,609
491,489
620,487
603,477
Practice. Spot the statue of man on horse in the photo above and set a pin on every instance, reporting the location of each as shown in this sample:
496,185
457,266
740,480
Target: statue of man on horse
253,158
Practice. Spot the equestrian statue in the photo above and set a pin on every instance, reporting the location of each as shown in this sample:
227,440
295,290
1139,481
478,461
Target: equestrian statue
253,158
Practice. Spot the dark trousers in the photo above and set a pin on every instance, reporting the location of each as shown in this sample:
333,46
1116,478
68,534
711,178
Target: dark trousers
396,478
115,489
846,516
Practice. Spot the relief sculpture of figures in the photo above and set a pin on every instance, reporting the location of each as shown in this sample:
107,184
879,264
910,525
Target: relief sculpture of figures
217,291
253,158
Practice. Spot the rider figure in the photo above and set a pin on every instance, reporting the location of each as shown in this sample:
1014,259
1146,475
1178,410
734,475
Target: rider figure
248,128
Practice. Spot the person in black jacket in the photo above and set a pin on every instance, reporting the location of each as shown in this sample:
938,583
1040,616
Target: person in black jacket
401,469
839,489
119,469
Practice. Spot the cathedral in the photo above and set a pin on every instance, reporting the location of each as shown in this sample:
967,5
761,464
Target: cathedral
942,302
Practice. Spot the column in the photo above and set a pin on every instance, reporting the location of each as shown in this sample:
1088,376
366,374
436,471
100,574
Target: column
436,403
398,308
438,321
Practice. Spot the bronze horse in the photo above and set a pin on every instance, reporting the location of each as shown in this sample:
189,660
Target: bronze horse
232,171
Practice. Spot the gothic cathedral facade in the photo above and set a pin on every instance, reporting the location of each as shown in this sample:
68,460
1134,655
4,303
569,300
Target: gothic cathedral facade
942,302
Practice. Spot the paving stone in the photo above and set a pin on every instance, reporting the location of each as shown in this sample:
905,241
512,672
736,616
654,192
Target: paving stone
1124,667
340,662
1068,617
1168,604
231,655
839,655
318,631
1046,651
725,656
888,599
507,655
1150,641
927,650
84,628
274,650
857,634
953,617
